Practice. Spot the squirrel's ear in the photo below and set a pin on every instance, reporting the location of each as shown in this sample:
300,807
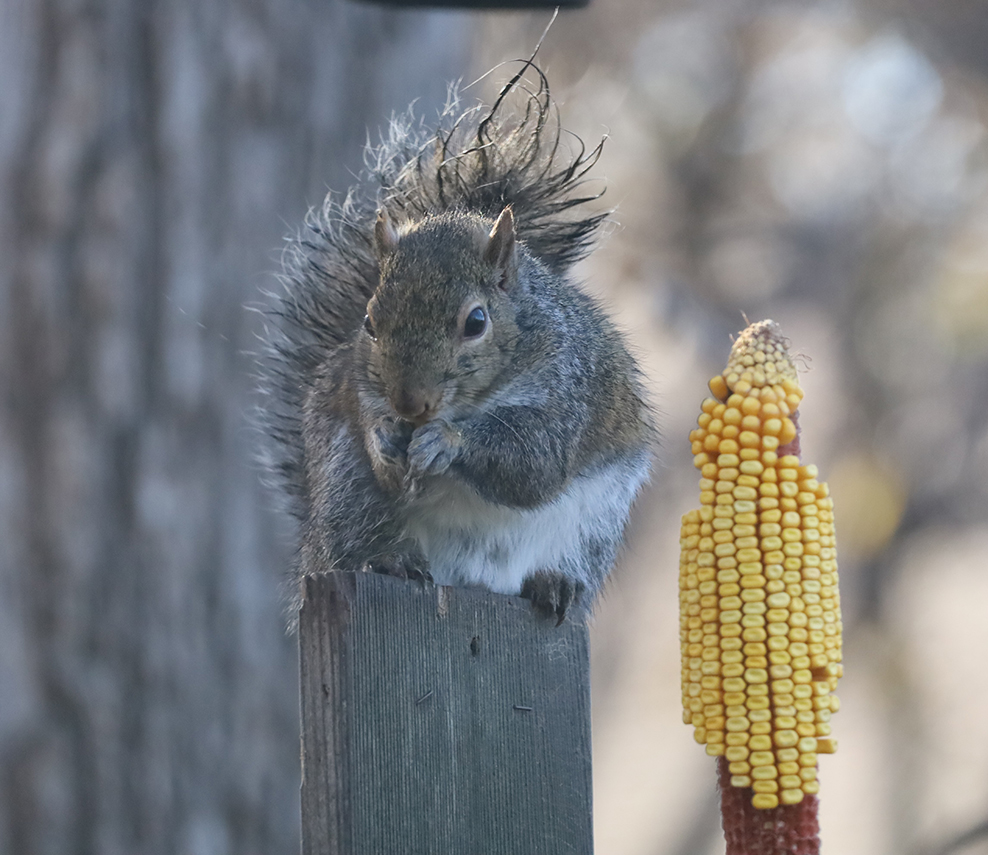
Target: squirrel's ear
385,233
501,246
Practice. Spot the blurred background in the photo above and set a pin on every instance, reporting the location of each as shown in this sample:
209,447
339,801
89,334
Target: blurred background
824,164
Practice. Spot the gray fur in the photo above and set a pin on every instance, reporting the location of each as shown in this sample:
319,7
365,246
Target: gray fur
410,446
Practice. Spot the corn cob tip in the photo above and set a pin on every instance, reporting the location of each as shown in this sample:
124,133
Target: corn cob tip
759,359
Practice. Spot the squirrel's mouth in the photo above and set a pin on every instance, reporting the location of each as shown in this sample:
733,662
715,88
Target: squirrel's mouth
416,419
417,406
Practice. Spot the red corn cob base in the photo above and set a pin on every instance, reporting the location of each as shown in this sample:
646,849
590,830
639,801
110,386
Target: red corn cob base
785,830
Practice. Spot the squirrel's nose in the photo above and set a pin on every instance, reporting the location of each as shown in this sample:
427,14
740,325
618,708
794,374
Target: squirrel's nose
416,405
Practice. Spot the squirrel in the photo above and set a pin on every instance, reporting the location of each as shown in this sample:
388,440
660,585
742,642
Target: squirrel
444,405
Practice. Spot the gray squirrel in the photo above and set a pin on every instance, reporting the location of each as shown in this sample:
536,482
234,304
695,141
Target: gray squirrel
444,405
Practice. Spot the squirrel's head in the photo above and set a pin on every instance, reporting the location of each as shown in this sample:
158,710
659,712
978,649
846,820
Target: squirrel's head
440,327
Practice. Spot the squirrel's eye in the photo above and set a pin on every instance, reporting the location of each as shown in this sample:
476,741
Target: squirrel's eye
475,324
369,327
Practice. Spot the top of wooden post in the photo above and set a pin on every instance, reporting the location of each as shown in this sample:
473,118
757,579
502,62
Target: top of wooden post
440,720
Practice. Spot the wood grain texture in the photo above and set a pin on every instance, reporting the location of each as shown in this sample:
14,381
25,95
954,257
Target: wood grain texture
440,720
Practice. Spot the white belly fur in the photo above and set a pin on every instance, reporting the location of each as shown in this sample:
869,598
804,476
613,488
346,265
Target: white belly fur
470,541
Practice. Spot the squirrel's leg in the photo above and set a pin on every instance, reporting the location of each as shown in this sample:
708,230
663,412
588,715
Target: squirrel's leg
352,520
516,456
552,594
581,574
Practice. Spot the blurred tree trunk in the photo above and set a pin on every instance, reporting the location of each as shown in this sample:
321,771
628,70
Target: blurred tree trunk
152,155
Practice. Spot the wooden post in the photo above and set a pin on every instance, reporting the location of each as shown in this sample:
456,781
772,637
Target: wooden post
440,721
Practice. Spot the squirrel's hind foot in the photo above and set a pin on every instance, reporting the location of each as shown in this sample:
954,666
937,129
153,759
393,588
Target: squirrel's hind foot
552,594
411,565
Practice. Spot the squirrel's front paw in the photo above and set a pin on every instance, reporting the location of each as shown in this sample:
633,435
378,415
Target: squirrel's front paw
433,448
390,441
387,445
552,594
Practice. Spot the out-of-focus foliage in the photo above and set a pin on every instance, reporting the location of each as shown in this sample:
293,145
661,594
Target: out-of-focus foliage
824,165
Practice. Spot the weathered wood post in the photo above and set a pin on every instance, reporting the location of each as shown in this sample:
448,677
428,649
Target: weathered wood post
440,721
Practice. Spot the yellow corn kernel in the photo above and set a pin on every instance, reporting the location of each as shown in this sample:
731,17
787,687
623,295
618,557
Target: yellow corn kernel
760,623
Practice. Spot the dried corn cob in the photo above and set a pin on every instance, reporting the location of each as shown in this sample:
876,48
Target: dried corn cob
759,608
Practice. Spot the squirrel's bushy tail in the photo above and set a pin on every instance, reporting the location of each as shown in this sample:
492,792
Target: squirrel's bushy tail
475,160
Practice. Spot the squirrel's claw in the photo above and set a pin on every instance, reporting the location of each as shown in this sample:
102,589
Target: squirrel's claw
552,594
